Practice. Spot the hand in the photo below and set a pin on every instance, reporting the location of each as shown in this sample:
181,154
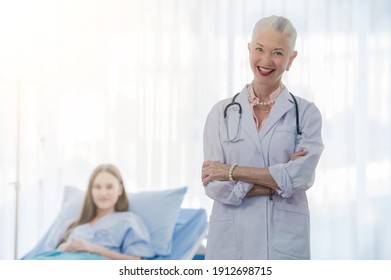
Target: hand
214,170
298,154
258,190
62,246
77,245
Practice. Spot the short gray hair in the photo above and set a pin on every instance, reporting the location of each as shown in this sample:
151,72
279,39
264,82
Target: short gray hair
278,23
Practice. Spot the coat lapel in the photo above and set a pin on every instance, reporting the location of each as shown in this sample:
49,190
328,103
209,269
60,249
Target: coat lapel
247,122
283,104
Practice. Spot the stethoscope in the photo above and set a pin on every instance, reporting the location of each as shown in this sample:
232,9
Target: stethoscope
237,138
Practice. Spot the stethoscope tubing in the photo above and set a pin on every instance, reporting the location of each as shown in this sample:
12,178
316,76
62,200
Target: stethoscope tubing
233,103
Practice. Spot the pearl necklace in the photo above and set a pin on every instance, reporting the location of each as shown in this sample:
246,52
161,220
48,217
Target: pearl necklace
263,103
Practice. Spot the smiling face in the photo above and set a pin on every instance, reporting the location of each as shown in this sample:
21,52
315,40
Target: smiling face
270,55
105,192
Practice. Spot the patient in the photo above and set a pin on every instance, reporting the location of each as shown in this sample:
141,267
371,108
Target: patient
105,228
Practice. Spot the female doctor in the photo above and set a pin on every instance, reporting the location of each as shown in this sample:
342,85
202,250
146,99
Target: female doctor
261,149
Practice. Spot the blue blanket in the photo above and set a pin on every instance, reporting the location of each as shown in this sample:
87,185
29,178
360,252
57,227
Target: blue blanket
60,255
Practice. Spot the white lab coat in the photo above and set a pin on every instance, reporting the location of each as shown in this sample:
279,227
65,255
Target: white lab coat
257,227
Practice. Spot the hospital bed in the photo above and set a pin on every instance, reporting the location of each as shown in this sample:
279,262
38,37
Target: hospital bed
190,230
177,233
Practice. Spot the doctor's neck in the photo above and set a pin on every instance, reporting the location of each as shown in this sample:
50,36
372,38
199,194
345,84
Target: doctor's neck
263,91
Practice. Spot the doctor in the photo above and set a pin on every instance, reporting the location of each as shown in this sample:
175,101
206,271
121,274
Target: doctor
261,149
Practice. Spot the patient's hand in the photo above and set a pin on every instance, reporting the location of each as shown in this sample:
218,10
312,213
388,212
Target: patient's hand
77,245
62,246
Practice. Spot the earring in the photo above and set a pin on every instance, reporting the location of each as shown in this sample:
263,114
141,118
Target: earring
287,69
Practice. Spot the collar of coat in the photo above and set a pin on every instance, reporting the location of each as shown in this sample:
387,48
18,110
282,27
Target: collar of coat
283,104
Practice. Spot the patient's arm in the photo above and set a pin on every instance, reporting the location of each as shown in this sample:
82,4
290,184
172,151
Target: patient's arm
77,245
62,246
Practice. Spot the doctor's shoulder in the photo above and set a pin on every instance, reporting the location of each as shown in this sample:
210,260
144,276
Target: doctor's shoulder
219,106
307,107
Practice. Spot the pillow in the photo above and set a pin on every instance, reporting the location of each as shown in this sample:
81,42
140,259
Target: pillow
158,209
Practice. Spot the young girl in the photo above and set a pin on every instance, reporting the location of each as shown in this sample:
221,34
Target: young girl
105,228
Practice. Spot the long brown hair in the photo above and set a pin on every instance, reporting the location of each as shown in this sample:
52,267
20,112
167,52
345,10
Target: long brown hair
89,209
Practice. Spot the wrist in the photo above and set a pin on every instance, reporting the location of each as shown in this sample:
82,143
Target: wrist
93,248
230,173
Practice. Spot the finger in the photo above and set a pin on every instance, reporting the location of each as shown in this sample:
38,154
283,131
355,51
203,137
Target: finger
69,249
206,181
298,154
301,152
210,162
204,173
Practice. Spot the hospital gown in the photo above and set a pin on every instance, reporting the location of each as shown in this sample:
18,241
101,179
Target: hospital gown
122,232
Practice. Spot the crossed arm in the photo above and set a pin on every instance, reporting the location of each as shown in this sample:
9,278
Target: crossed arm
264,184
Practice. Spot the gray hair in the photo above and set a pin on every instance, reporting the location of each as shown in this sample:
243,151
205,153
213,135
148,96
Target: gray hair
277,23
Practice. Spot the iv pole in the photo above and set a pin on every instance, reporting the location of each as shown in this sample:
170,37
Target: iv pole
17,182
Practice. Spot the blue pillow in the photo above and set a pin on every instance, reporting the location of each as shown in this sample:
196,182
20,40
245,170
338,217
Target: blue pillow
158,209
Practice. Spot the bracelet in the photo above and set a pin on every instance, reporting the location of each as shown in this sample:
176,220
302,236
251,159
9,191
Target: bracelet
231,170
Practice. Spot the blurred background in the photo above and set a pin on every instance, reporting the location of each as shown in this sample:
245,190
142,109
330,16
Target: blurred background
130,82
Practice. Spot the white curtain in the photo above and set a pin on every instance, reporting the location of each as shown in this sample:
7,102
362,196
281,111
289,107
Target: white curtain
130,82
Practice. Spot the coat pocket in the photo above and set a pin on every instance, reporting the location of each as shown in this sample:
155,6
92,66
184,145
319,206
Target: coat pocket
221,242
290,232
